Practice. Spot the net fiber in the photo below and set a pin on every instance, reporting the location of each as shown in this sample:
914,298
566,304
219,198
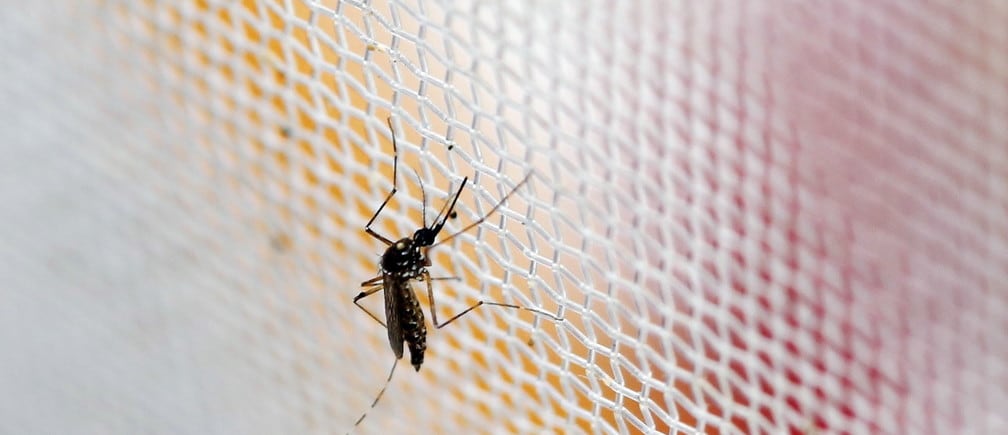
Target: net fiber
755,217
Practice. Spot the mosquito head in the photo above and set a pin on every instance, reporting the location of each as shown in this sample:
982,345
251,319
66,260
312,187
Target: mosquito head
425,236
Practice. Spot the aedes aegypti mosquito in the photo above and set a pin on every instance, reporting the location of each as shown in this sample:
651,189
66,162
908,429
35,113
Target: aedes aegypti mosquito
404,261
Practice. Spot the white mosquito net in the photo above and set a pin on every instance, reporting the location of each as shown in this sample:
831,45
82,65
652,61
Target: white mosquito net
754,217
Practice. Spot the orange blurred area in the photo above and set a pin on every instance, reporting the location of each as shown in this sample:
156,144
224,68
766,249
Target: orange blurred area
273,49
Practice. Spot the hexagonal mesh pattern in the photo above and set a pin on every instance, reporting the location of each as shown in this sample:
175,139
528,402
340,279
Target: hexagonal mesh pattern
754,217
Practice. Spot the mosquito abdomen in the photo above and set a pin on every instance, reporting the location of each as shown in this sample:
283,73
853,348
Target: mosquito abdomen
413,325
417,345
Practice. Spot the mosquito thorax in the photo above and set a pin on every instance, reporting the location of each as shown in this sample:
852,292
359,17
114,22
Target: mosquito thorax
403,258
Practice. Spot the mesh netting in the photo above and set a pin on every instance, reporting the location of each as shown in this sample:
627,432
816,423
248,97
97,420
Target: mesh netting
755,217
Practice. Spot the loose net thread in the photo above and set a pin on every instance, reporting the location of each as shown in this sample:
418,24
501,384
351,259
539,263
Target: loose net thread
754,219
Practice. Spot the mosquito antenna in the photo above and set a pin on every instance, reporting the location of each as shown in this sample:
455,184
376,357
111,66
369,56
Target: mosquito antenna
495,207
423,195
377,398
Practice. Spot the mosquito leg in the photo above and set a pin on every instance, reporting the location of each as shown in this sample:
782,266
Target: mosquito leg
378,397
433,309
481,303
372,281
484,218
395,176
365,294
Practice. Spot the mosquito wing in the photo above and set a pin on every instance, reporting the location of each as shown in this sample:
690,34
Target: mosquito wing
393,311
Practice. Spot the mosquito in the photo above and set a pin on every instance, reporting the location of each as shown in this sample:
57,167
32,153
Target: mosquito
406,260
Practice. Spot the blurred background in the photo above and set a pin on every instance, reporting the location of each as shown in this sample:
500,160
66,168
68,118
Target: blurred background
755,217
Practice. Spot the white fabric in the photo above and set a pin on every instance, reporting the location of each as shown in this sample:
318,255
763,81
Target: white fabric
755,217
